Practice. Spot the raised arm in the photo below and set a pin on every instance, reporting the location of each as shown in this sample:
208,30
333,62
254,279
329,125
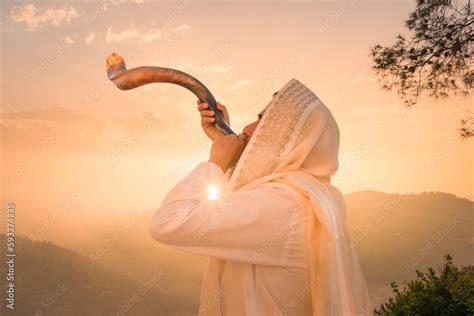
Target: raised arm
259,226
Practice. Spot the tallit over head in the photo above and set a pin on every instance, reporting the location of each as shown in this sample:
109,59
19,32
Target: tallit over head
297,142
296,132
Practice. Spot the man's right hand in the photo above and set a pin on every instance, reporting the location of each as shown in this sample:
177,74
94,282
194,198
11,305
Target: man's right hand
226,150
208,118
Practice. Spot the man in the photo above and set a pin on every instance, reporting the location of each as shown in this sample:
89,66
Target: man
274,230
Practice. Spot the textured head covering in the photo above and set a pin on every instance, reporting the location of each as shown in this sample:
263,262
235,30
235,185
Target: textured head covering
296,132
297,142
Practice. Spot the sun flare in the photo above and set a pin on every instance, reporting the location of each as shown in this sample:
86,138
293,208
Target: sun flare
212,193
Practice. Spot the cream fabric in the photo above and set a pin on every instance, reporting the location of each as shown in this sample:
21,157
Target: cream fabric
255,240
277,236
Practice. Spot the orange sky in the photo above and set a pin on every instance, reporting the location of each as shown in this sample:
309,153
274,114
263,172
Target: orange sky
64,125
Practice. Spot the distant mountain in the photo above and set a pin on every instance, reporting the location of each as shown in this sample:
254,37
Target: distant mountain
396,234
393,234
469,197
51,280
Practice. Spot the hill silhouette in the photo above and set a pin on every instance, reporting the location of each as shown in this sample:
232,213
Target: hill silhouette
52,280
395,234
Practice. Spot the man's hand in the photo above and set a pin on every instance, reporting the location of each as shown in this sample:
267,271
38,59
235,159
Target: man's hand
208,118
226,149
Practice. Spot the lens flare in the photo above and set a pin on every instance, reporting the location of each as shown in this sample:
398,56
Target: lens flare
212,193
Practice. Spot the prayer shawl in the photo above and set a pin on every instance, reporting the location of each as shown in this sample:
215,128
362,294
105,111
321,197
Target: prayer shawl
297,142
284,173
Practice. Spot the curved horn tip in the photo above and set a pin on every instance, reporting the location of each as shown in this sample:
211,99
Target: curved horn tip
115,58
115,65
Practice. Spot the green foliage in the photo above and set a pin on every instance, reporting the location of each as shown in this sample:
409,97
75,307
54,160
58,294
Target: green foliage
435,57
450,291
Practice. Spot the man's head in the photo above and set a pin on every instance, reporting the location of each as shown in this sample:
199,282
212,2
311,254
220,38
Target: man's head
250,128
296,132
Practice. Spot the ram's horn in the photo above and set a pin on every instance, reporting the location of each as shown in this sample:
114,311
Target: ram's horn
129,79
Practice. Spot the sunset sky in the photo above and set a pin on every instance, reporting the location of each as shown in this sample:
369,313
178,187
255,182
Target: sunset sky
65,126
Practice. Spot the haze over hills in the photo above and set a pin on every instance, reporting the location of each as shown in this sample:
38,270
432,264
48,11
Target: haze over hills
394,235
52,280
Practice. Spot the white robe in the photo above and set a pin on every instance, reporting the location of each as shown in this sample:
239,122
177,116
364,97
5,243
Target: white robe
263,259
259,234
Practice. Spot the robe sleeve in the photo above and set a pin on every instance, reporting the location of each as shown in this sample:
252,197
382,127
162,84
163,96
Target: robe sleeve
254,226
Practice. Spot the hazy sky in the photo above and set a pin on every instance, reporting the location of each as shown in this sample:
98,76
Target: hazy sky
65,125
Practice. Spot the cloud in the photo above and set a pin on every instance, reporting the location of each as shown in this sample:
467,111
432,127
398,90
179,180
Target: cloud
35,18
145,37
68,40
126,1
106,5
90,38
151,35
40,121
182,28
240,83
157,34
125,34
214,68
181,63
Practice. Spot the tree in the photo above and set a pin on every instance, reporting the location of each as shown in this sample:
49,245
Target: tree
437,59
450,291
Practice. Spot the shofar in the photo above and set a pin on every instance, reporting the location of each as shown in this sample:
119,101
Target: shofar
129,79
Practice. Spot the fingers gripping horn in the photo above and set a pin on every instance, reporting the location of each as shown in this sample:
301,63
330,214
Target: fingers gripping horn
132,78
